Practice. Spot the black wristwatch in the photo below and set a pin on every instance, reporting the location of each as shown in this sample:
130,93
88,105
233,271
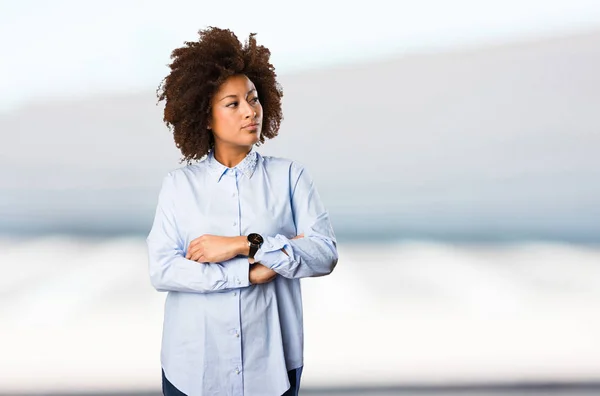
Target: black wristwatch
255,241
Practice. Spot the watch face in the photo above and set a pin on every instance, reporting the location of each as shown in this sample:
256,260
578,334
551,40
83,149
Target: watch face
255,239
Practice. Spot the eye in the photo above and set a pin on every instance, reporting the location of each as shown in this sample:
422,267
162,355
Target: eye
254,100
232,104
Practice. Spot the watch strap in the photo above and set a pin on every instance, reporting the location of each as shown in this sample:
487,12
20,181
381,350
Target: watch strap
253,250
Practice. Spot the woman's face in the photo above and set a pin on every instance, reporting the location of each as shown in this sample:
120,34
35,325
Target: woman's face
236,115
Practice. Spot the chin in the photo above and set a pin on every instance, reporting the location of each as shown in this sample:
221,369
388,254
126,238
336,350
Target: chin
248,143
255,139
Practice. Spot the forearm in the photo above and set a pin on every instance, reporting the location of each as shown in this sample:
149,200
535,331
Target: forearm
241,245
311,256
170,271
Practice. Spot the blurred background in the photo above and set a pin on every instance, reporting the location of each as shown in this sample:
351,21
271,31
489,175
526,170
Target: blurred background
455,145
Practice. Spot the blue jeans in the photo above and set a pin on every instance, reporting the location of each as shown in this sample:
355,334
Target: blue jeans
294,376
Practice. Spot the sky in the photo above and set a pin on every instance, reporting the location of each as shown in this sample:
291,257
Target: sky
68,48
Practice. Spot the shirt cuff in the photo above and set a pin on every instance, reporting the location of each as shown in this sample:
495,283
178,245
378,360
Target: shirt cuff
237,272
270,254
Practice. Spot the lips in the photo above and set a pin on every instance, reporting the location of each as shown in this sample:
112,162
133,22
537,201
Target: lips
251,126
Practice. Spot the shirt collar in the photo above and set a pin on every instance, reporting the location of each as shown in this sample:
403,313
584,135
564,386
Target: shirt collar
246,167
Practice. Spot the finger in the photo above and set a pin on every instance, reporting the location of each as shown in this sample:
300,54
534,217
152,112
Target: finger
197,241
197,252
194,252
190,251
191,248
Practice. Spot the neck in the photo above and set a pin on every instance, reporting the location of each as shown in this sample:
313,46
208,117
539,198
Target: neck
231,156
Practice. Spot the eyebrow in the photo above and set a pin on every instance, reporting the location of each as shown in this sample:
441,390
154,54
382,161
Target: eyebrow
235,96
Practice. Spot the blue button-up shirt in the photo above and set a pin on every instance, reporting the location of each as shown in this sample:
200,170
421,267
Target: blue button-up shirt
222,335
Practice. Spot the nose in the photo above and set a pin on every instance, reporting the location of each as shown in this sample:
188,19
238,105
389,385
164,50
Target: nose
249,111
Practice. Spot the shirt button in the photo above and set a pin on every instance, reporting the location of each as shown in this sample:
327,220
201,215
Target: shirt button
235,293
237,371
235,223
237,335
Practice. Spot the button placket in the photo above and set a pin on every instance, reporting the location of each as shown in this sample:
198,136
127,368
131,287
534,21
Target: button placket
235,329
236,193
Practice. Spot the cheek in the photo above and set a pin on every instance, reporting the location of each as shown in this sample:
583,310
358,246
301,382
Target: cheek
221,120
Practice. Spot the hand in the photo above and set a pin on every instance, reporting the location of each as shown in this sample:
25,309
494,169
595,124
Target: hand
260,274
212,249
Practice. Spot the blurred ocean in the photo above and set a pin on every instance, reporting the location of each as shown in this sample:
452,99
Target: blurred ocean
78,313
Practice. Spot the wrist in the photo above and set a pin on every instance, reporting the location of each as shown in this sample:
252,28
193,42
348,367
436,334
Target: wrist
243,248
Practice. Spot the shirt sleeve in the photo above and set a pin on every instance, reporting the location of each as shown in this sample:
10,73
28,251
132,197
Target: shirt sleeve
169,269
315,254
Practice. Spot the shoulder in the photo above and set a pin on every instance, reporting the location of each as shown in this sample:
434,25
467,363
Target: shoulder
272,162
185,172
295,172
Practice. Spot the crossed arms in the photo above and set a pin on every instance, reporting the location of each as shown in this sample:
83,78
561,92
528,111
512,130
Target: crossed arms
213,263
